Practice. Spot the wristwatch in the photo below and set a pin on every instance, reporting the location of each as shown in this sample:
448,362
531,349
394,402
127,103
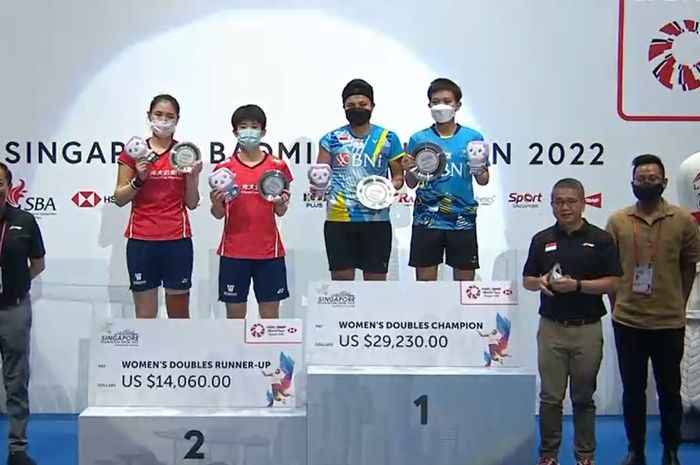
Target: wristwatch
578,285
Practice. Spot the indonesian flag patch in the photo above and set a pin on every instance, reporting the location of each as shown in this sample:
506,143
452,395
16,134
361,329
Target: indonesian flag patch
550,247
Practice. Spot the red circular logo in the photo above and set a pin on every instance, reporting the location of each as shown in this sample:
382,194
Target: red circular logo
507,291
292,330
674,55
473,292
257,330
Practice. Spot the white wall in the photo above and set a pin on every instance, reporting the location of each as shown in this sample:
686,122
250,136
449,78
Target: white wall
540,72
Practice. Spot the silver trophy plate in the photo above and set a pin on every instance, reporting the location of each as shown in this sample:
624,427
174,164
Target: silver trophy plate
272,184
183,155
430,161
375,192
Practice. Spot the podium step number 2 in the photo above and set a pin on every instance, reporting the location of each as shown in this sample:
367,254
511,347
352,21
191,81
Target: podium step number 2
194,453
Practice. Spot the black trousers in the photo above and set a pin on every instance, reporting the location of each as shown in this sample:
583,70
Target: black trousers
665,349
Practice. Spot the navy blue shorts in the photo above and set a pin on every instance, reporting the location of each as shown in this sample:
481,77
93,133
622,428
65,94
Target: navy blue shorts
269,279
155,263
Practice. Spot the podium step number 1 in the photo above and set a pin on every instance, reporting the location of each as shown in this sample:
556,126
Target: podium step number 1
422,402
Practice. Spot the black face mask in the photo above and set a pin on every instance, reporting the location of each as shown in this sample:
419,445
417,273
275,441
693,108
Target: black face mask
648,192
358,116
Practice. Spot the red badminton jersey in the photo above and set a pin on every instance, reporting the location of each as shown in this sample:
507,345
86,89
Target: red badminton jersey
158,211
250,227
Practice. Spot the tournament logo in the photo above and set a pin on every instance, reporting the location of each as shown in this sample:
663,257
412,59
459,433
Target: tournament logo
674,55
124,338
472,292
496,293
342,299
257,330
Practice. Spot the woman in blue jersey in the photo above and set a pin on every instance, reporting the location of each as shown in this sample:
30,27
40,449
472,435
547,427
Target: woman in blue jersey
356,236
444,213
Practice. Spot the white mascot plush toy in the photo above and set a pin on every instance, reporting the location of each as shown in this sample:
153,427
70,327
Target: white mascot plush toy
224,180
136,148
319,178
478,155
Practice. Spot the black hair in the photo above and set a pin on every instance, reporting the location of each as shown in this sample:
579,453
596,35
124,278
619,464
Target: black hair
648,159
358,87
444,84
569,183
248,113
165,98
8,173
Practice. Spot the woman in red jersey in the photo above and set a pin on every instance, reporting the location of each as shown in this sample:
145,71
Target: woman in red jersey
251,247
159,247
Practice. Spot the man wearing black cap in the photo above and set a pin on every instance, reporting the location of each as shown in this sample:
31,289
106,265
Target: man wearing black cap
358,231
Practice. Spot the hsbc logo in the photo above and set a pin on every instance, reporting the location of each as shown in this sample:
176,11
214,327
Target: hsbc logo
86,199
90,199
594,200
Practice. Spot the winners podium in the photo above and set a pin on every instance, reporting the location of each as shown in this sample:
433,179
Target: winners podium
176,392
389,373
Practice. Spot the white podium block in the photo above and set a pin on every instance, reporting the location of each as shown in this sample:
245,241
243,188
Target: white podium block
162,436
420,416
228,364
369,323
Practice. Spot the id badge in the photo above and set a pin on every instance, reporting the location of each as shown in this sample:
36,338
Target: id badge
642,282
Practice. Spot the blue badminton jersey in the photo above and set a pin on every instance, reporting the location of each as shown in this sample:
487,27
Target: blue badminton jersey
447,202
353,159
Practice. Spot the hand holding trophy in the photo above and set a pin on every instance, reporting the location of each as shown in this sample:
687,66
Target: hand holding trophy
224,181
272,185
478,155
184,157
319,178
429,161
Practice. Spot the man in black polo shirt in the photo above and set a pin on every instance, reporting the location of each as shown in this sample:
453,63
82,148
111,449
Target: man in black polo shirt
21,260
570,337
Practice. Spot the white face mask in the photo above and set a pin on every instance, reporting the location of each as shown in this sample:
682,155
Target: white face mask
163,128
249,138
442,113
